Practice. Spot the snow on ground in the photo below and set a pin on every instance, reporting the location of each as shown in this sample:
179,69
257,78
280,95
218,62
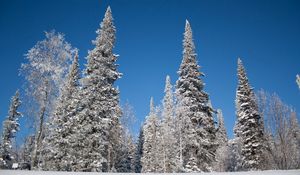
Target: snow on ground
270,172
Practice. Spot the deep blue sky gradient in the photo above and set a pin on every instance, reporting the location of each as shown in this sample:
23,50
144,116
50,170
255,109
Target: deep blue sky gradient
264,33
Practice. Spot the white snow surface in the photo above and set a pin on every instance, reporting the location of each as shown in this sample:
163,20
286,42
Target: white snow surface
269,172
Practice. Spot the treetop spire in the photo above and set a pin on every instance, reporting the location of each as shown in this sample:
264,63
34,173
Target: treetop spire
168,83
187,23
108,14
151,106
240,63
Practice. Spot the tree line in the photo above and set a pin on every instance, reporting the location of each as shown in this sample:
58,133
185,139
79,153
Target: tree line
79,125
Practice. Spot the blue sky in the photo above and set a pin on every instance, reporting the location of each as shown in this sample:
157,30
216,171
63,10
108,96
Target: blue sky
264,33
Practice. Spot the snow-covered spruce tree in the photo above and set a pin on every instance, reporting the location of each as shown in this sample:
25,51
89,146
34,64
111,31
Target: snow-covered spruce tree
222,151
98,120
10,127
125,155
193,103
168,140
235,146
248,129
57,151
45,72
150,159
234,154
139,152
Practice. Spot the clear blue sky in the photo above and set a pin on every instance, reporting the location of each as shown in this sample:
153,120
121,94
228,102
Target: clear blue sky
264,33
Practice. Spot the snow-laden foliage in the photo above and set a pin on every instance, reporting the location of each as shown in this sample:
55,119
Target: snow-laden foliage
45,72
221,132
248,129
125,153
98,127
222,154
10,127
234,147
282,132
58,153
168,140
193,103
151,161
79,125
139,152
26,150
270,172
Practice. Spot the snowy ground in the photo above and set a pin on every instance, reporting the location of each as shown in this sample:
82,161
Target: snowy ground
18,172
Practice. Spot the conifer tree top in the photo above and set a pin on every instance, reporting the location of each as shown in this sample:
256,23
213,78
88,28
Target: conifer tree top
168,83
189,73
106,33
73,75
15,103
248,126
152,110
189,54
101,57
242,76
188,43
108,15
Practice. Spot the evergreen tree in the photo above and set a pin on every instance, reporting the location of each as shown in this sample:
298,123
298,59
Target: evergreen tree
10,128
194,104
168,140
125,155
98,129
248,128
139,152
222,151
150,159
191,166
221,132
58,148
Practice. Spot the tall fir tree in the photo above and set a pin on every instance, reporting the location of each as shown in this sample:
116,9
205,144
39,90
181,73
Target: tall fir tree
223,150
139,152
194,104
248,129
10,128
221,133
150,159
168,140
99,117
125,155
58,153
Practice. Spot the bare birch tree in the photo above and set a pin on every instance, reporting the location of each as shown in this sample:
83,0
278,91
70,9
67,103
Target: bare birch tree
282,131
